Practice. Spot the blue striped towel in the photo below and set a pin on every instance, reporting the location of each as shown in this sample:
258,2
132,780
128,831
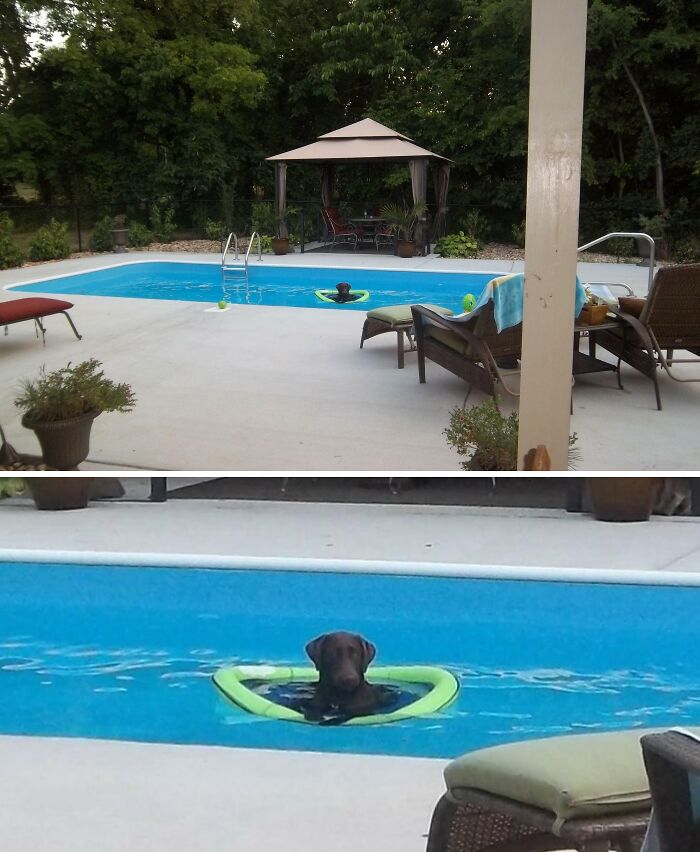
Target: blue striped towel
506,292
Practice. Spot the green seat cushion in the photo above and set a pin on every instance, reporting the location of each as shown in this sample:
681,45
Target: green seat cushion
449,338
401,314
571,776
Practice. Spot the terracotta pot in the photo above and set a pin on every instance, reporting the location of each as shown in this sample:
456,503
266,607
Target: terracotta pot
593,314
120,237
623,498
64,443
406,248
280,246
60,492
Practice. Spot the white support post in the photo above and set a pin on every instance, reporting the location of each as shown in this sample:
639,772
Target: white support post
557,70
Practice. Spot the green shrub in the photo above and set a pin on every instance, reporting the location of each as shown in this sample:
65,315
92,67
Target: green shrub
10,486
215,230
458,245
50,242
10,253
620,247
687,251
139,235
71,392
163,223
475,224
262,217
487,438
101,239
518,234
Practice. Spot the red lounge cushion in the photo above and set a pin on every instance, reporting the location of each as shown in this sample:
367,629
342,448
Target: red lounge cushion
17,310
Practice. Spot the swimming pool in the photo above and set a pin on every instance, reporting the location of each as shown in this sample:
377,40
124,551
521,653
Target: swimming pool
128,653
291,286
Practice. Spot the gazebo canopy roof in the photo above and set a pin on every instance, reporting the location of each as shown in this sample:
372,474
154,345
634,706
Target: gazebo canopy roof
363,140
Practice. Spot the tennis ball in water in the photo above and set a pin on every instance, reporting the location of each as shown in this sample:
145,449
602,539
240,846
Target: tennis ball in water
469,302
223,304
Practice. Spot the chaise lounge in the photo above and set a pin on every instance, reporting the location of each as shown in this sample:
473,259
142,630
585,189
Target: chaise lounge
670,320
587,792
34,309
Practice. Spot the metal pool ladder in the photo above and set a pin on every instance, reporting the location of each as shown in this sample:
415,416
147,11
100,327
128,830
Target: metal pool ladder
235,271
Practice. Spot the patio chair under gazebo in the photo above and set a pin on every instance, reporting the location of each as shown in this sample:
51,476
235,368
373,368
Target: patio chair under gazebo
369,141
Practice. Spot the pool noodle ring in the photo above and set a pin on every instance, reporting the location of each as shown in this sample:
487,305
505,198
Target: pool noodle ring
469,302
231,682
323,295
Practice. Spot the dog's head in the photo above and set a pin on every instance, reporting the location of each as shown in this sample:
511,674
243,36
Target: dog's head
341,659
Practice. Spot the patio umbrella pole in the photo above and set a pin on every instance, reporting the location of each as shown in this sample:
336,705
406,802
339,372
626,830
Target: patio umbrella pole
557,69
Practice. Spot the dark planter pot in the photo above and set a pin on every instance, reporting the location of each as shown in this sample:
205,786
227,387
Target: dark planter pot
624,498
60,493
280,246
120,238
64,443
406,248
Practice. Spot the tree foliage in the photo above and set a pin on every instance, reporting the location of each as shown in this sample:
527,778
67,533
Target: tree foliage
172,101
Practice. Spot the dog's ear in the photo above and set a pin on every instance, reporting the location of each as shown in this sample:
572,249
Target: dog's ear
315,649
368,654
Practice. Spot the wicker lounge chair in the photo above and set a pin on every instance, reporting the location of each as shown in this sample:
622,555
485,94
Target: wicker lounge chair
468,346
34,309
670,320
397,318
587,792
673,765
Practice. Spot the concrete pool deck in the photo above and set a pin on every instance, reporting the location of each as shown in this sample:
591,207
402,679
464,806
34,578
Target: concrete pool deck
270,388
76,795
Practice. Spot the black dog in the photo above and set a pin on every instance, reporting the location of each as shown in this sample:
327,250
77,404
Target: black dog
342,691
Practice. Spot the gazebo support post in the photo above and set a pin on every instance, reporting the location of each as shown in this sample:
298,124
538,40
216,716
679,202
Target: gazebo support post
281,197
558,52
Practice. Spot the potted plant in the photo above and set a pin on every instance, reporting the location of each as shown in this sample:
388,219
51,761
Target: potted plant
61,406
62,492
120,233
403,222
487,438
280,242
623,498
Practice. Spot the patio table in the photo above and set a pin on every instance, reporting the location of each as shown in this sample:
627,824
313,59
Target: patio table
370,224
583,363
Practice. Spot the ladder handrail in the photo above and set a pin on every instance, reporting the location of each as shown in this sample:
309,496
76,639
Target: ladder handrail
235,248
250,246
635,235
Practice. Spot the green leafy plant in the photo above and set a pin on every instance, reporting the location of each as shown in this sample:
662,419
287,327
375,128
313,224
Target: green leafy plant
11,486
620,247
403,220
214,230
487,438
687,251
119,222
10,253
262,217
281,222
139,235
265,244
50,242
518,234
72,391
457,245
101,239
475,224
163,222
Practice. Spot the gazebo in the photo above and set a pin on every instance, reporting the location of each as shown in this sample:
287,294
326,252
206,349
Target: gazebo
368,141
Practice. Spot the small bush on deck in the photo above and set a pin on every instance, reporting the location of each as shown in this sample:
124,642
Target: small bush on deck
50,242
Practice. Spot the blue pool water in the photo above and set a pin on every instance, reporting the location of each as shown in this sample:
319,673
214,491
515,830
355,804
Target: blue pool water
292,286
128,653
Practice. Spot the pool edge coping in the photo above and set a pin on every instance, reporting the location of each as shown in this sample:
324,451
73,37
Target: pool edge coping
451,570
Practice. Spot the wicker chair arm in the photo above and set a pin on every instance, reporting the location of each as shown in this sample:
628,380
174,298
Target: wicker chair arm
639,327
